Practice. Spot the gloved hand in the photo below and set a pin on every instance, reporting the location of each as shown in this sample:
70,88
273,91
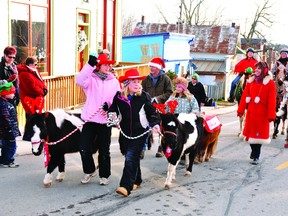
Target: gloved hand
45,91
105,106
12,78
92,59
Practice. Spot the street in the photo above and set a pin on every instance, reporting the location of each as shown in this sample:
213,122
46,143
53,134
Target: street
226,185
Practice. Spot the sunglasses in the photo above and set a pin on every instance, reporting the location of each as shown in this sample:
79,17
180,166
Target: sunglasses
11,57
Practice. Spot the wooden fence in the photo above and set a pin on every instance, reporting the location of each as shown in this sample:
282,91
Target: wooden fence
63,92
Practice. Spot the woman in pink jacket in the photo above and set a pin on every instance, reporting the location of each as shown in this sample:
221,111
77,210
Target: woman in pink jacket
259,98
100,86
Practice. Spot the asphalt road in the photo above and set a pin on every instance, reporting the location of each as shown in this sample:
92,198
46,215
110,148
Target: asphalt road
226,185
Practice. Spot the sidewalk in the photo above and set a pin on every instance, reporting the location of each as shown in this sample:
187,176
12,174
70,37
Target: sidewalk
24,147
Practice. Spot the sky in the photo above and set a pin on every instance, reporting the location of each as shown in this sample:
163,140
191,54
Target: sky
240,12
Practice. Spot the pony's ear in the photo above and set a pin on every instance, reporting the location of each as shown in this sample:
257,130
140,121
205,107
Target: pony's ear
188,127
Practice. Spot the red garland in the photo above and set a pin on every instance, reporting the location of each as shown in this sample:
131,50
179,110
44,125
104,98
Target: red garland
171,104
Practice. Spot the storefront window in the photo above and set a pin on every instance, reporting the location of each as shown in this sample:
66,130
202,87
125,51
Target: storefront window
29,32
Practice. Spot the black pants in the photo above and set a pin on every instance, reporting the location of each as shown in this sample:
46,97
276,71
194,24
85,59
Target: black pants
256,150
96,136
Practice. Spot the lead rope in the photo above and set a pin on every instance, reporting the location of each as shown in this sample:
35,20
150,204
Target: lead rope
100,110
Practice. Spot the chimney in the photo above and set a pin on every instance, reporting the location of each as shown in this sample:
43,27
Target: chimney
233,25
143,19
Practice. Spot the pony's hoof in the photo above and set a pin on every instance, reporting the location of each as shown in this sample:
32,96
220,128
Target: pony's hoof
47,180
48,185
60,177
282,132
274,136
166,187
187,173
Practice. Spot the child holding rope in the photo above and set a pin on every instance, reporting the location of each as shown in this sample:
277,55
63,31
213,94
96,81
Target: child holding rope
137,113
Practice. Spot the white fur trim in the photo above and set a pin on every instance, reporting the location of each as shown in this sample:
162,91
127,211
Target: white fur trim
155,65
248,99
257,99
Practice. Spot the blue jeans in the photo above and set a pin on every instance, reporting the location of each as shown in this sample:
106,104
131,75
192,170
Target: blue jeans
8,151
234,83
132,171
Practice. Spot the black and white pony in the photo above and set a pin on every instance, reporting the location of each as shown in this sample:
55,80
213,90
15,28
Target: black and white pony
181,135
51,127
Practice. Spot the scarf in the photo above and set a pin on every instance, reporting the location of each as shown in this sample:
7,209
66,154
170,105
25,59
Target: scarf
101,75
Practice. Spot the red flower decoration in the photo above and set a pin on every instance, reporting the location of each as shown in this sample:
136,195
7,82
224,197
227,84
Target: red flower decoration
172,104
160,107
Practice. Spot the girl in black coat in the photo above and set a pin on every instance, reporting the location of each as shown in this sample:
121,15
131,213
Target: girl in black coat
137,113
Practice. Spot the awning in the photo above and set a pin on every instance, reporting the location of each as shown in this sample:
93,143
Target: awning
208,66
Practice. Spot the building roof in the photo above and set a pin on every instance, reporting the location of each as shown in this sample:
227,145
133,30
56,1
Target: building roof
208,39
210,66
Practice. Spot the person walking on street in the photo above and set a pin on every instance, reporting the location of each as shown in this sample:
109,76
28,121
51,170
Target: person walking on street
137,114
197,89
259,98
32,91
100,86
187,103
8,125
159,86
8,71
240,68
283,60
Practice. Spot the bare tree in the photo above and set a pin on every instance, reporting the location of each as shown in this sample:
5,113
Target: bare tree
191,11
262,18
127,25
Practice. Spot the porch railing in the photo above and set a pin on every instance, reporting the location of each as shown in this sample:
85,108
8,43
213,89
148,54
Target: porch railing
63,92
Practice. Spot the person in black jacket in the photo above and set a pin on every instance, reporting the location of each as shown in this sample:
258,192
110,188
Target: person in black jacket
8,71
137,114
197,89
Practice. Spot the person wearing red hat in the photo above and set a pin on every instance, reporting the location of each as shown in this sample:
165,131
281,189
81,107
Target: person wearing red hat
137,114
159,86
8,125
100,86
240,68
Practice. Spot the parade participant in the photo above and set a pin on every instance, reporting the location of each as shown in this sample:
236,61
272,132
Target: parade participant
159,86
8,125
197,89
99,86
32,90
240,68
8,71
186,101
283,60
137,113
259,98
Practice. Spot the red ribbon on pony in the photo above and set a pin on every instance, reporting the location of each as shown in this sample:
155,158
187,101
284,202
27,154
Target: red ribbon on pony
162,107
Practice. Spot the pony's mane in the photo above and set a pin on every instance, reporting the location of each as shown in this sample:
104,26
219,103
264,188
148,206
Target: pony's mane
61,115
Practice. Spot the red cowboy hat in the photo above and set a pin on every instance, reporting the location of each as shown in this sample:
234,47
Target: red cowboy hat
103,59
131,74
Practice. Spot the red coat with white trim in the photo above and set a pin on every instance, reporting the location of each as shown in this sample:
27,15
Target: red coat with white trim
31,89
260,101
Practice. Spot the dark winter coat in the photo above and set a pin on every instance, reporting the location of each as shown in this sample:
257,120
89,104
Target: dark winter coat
198,91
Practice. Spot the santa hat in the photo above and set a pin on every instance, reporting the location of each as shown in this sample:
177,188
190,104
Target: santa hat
7,88
157,62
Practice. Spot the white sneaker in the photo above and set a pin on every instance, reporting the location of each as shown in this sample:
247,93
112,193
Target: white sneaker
104,181
87,177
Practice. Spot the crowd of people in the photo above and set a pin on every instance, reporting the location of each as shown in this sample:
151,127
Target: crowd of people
127,101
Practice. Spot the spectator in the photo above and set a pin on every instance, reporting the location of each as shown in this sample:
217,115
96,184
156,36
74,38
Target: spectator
240,68
8,125
100,86
8,71
281,61
259,98
137,113
32,91
159,86
197,89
